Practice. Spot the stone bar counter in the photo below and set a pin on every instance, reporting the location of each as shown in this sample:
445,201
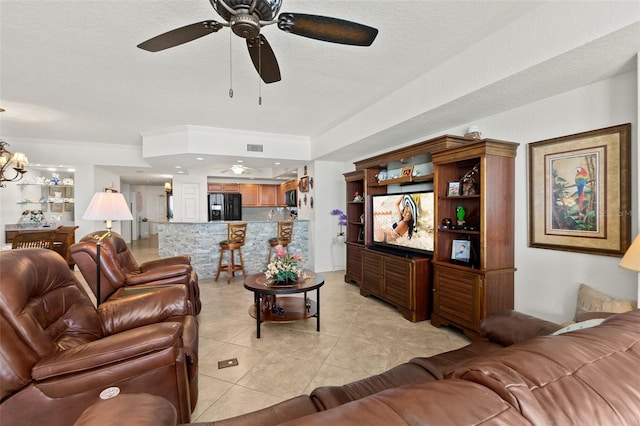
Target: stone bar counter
201,241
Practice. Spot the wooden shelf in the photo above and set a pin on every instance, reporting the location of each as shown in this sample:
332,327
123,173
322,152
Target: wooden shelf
404,180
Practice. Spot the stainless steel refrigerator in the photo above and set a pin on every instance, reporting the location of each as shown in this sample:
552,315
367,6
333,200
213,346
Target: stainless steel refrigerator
225,206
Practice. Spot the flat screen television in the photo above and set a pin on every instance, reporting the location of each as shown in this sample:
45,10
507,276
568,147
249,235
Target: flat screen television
404,222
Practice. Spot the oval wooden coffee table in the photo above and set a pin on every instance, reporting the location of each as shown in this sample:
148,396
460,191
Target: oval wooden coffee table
271,304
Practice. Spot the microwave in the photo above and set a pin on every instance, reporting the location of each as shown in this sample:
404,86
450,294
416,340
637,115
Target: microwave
291,197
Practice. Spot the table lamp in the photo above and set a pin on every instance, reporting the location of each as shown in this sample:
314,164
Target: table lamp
631,259
107,206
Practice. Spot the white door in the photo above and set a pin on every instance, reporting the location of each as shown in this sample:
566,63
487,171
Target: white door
190,202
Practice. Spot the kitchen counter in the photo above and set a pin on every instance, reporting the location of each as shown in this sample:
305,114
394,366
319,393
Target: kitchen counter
200,240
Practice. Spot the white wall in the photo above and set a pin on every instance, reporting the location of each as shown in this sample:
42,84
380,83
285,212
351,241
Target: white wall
328,194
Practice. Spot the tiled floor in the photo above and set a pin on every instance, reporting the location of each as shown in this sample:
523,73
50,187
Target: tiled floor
358,337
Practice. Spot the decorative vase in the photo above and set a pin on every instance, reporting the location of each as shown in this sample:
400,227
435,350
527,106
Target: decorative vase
340,238
286,281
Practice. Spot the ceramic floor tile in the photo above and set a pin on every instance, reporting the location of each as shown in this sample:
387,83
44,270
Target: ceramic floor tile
236,401
359,336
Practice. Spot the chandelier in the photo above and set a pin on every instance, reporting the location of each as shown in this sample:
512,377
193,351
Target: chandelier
18,161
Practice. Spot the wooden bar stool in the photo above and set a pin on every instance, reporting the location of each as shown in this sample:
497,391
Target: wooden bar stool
285,233
236,233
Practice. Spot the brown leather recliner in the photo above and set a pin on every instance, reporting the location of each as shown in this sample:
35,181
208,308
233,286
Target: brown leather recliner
119,269
59,353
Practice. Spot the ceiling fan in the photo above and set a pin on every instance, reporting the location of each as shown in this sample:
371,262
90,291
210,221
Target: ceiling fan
239,170
247,17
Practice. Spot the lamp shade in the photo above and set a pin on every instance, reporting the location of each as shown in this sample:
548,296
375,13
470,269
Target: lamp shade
108,206
631,259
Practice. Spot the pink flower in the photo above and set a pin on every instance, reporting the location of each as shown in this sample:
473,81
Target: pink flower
280,250
297,257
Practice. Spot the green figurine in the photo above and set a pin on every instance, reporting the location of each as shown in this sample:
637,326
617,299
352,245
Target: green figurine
460,214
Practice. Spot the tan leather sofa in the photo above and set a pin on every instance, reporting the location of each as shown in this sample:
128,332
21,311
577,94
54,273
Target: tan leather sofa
120,272
59,353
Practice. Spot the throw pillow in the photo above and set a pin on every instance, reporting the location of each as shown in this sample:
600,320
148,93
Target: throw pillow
579,326
591,300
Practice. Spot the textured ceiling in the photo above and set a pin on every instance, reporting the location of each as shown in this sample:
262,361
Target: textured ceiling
70,71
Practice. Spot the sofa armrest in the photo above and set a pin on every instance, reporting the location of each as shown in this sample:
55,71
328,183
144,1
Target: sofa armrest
509,327
175,260
145,306
167,273
109,350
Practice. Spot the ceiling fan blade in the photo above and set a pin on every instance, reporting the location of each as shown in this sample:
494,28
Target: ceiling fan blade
324,28
180,35
264,59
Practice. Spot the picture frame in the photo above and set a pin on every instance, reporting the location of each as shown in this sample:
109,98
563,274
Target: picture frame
580,192
461,252
406,171
454,189
303,185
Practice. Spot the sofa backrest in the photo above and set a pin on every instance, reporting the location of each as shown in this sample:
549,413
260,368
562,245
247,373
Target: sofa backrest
587,376
43,305
112,273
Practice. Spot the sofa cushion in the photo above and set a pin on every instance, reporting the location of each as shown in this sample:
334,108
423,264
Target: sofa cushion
326,397
589,376
441,402
509,327
591,300
579,326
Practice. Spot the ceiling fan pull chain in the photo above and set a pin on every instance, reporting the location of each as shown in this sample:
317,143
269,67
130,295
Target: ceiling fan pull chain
230,68
259,71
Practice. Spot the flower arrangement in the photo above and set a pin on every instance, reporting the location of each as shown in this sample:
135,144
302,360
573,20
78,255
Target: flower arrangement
342,219
283,267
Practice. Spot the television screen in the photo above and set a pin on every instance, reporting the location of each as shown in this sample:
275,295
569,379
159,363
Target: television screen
405,221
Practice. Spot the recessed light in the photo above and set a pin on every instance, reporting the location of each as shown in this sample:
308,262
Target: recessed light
277,163
181,172
178,167
239,161
199,158
51,169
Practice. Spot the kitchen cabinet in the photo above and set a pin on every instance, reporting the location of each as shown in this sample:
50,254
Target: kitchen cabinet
267,195
249,193
223,187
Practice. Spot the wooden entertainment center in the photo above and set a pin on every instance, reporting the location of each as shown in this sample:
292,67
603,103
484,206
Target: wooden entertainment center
473,176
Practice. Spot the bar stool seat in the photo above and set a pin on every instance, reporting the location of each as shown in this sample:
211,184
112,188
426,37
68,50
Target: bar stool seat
236,233
285,233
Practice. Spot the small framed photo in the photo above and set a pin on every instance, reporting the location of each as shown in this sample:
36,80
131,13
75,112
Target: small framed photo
461,251
454,189
406,171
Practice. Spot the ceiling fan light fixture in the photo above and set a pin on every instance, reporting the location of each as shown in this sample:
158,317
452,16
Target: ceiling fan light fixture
237,169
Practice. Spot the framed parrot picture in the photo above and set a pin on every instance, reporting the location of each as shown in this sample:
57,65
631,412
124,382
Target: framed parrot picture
580,192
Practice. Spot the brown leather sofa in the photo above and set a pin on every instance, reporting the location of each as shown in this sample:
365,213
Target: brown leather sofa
501,329
583,377
59,353
120,272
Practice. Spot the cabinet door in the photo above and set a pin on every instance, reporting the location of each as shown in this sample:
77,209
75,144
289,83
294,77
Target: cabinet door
371,272
397,282
457,296
267,195
282,198
231,187
249,193
214,187
354,264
